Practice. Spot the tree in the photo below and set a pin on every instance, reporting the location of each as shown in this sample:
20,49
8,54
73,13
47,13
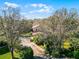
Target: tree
58,26
25,26
10,27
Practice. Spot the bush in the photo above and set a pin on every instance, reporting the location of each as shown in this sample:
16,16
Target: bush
76,54
4,50
35,39
2,43
3,47
38,39
66,52
26,34
55,53
26,53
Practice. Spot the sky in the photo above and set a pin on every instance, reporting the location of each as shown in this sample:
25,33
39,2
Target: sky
39,8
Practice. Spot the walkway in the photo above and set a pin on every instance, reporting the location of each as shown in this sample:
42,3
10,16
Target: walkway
38,51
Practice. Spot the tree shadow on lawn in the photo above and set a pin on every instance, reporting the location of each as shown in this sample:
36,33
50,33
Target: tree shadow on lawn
4,50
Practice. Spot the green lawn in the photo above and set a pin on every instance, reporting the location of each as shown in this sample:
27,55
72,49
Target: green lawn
26,34
8,55
5,53
5,56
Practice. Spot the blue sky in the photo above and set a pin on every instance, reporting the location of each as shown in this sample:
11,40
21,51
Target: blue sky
40,8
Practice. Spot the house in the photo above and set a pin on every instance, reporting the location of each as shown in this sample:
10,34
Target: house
36,28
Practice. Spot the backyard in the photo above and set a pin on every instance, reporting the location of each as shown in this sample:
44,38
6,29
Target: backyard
44,29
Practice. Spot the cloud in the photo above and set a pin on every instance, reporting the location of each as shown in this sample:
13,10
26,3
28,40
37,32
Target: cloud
34,5
13,5
38,5
42,8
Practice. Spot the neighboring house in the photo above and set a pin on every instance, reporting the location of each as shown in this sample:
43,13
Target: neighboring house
36,28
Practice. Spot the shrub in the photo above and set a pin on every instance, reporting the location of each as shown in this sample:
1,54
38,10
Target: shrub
76,54
66,52
2,43
4,50
55,53
35,39
26,53
38,39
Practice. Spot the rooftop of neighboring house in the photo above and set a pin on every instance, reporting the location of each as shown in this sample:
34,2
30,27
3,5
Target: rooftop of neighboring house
35,24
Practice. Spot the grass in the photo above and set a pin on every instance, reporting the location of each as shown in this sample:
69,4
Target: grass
16,54
5,56
5,53
8,55
26,34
